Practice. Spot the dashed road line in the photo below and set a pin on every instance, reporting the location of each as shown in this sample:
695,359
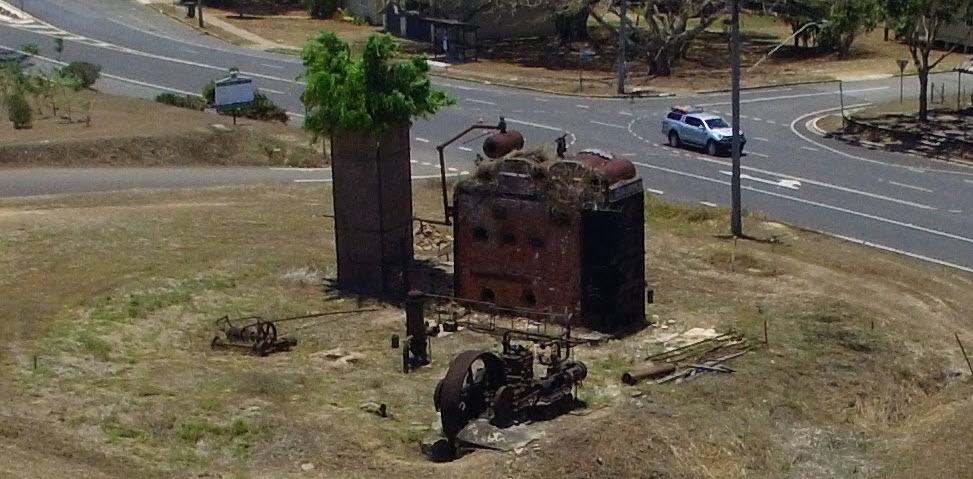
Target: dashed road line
707,203
422,140
760,139
425,163
969,181
275,67
870,216
452,169
474,100
583,106
465,148
955,211
809,148
757,119
626,113
268,90
759,154
911,187
540,99
606,124
655,192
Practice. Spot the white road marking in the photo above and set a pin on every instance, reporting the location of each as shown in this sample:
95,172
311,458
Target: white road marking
458,87
535,125
792,184
540,99
464,172
955,211
801,95
809,148
291,168
422,140
425,163
898,251
707,203
969,181
655,192
760,139
194,52
465,148
474,100
452,169
606,124
756,119
625,113
759,154
816,203
772,122
583,106
517,111
313,180
823,184
268,90
538,111
275,67
927,190
629,154
414,161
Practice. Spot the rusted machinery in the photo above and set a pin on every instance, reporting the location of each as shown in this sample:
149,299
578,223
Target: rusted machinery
415,351
502,387
560,234
256,336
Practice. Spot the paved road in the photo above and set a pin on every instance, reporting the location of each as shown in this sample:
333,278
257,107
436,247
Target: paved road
900,202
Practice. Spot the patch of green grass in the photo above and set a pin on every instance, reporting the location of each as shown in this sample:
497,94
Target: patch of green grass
116,431
95,346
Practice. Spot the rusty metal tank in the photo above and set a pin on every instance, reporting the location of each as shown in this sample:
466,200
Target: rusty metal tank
499,144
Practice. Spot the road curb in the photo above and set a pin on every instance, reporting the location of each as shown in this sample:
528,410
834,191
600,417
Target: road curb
443,74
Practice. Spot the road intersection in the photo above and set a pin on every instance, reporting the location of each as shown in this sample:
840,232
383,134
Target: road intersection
911,205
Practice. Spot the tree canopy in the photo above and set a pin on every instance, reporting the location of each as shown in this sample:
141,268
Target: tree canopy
372,92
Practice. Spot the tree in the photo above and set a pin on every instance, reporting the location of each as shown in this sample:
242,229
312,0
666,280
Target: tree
322,8
849,18
798,13
918,23
30,49
667,34
370,93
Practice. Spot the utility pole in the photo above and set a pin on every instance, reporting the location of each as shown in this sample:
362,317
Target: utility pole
199,13
622,41
736,218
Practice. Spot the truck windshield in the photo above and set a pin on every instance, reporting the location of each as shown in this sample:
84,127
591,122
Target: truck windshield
716,123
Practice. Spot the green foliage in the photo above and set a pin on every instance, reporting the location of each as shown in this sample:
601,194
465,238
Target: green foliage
370,93
59,46
183,101
87,73
18,110
322,8
30,49
264,109
849,18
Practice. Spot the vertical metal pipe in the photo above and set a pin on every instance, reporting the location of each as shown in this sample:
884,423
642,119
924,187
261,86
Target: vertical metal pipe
442,181
199,13
736,220
622,40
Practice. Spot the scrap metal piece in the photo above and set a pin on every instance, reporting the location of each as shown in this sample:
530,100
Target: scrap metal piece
651,371
258,336
416,351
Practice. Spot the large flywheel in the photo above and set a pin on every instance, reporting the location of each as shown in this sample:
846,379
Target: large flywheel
466,391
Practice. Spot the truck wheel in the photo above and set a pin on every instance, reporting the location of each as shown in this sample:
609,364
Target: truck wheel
674,140
711,148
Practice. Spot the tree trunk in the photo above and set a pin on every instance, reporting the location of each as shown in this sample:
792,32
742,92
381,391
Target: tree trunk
572,27
923,94
660,65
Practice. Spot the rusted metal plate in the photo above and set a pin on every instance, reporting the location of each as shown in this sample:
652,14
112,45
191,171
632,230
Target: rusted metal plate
373,210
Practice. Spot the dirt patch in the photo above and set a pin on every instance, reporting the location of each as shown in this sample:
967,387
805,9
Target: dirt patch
109,301
133,132
295,28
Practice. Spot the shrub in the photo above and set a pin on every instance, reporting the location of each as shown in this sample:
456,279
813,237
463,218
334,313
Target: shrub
322,8
18,111
182,101
265,109
87,73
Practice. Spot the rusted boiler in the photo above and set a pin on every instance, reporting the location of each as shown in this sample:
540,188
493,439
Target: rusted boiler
554,234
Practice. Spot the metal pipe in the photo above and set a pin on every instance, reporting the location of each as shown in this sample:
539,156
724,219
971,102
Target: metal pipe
647,372
736,213
787,40
442,161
